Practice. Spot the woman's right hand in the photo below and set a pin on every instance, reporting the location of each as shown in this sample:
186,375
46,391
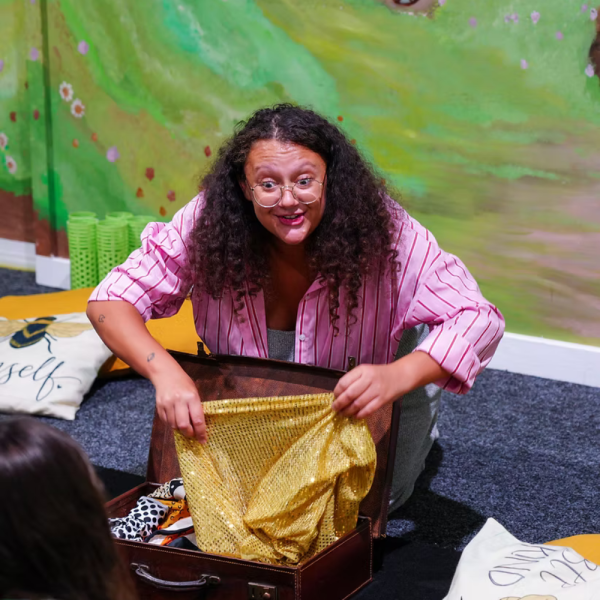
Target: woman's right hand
123,330
178,403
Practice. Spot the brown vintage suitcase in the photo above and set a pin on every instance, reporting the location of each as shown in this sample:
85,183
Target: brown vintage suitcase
334,574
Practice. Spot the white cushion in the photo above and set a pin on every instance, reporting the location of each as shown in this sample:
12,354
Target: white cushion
48,364
497,566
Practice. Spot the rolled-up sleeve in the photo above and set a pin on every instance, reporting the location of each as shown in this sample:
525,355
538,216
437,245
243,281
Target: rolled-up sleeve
156,278
465,328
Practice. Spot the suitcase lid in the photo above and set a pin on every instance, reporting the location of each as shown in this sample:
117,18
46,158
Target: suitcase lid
227,377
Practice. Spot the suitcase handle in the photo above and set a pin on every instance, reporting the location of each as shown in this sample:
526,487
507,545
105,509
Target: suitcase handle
174,586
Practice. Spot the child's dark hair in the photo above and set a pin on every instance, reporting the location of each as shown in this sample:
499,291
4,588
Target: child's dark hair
55,541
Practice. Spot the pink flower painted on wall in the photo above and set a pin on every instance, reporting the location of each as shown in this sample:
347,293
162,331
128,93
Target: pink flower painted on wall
112,154
11,164
473,22
1,65
441,2
593,14
77,108
559,35
524,64
83,47
535,17
584,8
3,140
34,54
589,71
66,91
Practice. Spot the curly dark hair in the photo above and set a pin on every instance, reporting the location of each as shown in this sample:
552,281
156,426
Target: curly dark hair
353,238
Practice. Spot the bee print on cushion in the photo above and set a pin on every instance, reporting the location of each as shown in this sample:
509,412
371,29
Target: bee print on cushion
23,333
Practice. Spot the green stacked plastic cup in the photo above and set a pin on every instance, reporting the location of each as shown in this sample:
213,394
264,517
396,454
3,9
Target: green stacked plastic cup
82,233
136,226
112,245
82,214
120,216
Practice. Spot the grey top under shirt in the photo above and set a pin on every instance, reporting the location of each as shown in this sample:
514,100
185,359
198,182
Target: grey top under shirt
281,344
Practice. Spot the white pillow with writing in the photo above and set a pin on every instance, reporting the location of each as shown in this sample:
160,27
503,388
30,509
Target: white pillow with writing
48,364
497,566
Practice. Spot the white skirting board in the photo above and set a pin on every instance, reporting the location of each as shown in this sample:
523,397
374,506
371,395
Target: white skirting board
17,255
540,357
52,271
551,359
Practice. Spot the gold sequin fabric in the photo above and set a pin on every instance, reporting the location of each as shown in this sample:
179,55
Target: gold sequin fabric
279,480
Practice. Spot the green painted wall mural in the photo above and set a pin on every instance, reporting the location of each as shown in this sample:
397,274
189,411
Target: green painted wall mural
16,220
485,116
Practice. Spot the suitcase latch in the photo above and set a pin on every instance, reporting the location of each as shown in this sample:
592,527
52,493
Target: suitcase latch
260,591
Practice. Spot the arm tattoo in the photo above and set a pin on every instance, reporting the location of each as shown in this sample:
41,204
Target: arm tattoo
150,357
101,319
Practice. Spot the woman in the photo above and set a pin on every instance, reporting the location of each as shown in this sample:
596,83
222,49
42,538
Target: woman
55,541
295,250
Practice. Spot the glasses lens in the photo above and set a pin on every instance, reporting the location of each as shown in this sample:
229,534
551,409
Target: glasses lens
307,190
267,194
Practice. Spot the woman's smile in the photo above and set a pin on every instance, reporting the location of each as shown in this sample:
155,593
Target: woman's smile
291,220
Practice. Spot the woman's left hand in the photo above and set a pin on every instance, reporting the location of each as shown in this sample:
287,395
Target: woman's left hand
365,389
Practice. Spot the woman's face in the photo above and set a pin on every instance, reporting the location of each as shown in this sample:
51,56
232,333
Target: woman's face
279,163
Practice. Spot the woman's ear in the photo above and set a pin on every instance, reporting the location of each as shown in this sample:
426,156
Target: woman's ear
246,189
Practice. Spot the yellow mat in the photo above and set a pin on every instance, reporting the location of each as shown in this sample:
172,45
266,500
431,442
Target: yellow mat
586,545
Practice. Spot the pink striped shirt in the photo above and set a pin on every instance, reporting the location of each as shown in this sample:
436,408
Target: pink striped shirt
432,287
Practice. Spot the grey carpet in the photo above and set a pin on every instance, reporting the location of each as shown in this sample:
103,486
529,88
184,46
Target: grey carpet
114,424
523,450
20,283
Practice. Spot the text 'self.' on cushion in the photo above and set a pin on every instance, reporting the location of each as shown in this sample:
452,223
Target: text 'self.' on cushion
48,363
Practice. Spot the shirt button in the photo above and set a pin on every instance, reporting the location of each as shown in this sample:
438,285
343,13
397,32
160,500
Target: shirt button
301,337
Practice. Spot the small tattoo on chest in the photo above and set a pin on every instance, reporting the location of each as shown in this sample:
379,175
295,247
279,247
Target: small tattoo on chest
101,319
150,357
